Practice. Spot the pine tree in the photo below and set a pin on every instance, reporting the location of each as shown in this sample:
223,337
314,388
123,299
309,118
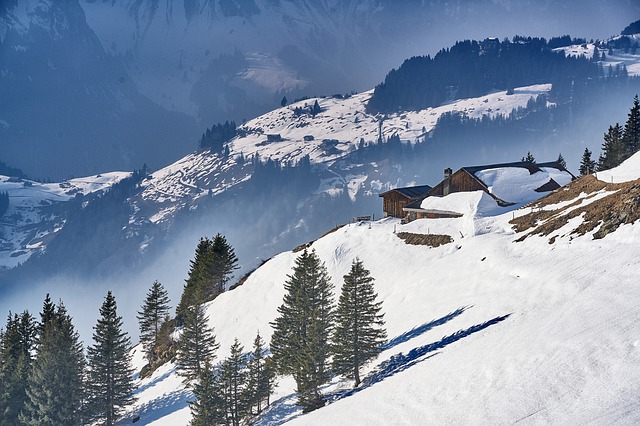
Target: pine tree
561,161
210,271
55,384
260,380
613,150
109,377
233,382
529,158
631,133
299,343
154,312
18,343
587,165
359,332
284,101
207,409
197,344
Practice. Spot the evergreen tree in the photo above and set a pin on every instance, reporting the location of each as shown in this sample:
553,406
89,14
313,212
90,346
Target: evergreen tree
233,382
587,165
197,344
300,334
55,384
109,377
18,343
359,331
260,380
284,101
613,150
529,158
210,271
631,133
561,161
154,312
207,409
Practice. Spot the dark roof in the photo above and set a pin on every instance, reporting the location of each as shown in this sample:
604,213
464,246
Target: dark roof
552,185
410,191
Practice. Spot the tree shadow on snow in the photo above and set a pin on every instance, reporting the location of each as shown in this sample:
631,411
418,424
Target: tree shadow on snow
416,331
401,362
163,406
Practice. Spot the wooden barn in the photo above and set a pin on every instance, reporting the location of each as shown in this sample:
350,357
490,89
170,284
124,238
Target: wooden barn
396,199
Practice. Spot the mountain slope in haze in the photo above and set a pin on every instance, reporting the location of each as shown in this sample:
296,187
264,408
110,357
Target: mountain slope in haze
221,60
490,328
69,109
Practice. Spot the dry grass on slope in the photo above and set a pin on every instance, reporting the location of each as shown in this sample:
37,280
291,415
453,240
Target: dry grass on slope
619,207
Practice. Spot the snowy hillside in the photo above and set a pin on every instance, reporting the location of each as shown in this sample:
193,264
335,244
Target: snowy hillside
483,330
37,211
334,132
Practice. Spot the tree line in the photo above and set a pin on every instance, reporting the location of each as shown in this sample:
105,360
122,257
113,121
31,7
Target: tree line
472,68
619,144
45,378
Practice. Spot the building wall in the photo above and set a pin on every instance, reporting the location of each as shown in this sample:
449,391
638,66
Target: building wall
460,181
393,203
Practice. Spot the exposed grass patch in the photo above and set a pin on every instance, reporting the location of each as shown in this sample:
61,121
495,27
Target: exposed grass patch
431,240
608,213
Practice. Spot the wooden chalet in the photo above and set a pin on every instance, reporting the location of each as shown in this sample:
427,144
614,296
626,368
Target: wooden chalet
396,199
466,180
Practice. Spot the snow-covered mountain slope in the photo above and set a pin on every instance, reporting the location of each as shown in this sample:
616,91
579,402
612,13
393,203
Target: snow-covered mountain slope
330,136
38,210
492,328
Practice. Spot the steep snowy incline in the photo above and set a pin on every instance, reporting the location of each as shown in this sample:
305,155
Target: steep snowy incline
483,330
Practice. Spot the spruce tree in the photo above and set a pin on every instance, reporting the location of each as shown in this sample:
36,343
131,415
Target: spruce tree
561,161
631,133
300,341
529,158
587,165
207,409
154,312
260,378
233,383
210,271
197,344
18,343
613,150
55,384
109,377
359,331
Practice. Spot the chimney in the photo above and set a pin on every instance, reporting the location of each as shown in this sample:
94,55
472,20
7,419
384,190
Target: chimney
447,181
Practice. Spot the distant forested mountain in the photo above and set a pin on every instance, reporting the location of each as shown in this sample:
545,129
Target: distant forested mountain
472,68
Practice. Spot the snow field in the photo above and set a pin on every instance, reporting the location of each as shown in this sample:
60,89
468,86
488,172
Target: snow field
529,332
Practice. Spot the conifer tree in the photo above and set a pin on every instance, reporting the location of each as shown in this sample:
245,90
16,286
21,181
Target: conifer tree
613,150
207,409
55,384
210,271
154,312
109,377
587,165
18,343
561,161
529,158
233,382
260,378
300,341
197,344
631,133
359,332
